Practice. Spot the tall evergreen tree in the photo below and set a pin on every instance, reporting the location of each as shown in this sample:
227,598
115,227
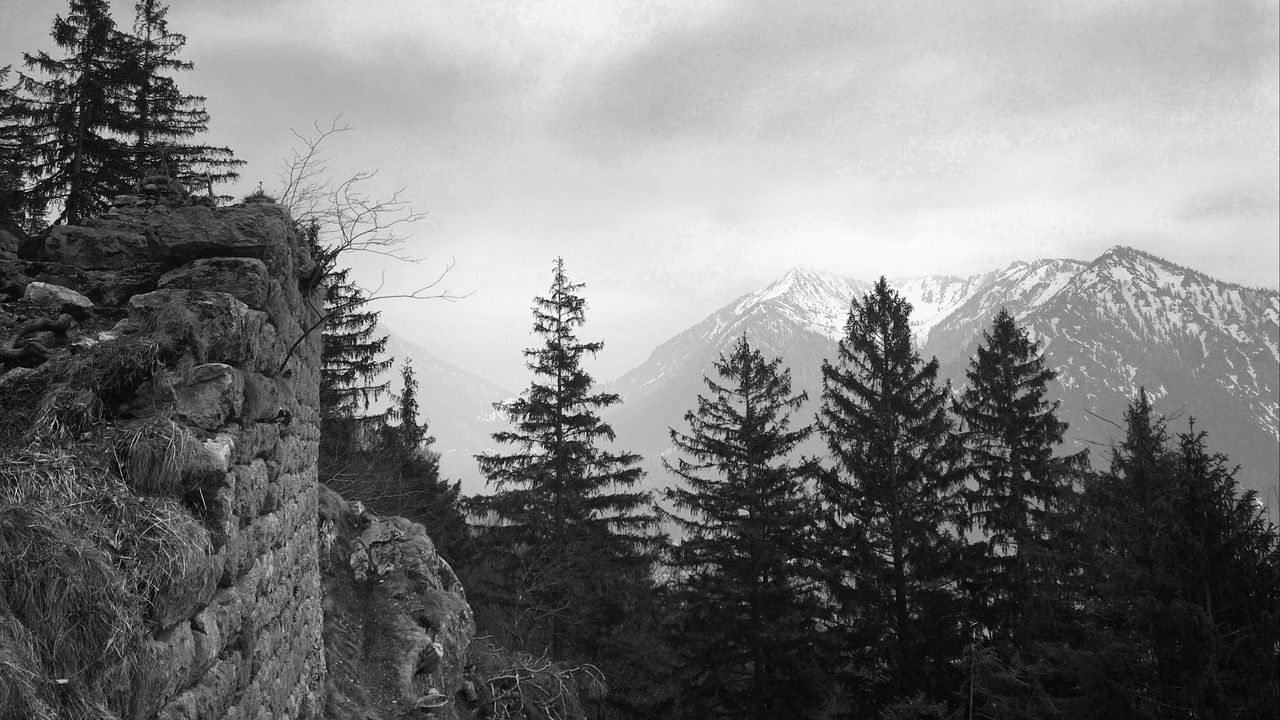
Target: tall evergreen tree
892,501
15,154
408,435
403,477
352,360
570,526
74,115
161,119
1181,585
1010,433
745,584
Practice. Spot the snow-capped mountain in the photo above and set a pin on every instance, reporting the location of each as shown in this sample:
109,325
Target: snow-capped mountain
1201,347
457,405
799,317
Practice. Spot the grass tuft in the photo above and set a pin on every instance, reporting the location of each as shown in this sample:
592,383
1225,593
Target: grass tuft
65,412
163,458
24,691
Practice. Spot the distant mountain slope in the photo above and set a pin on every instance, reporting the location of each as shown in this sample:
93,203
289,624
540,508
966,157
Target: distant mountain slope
1201,346
797,317
458,407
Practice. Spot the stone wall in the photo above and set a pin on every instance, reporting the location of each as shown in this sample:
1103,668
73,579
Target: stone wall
255,648
266,596
238,634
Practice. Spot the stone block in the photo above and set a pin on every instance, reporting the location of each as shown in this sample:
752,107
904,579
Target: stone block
264,397
55,296
208,638
206,396
250,488
218,687
245,279
95,248
179,235
258,440
214,325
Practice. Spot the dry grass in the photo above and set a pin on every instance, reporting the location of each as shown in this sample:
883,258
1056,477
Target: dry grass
24,692
65,413
82,561
163,458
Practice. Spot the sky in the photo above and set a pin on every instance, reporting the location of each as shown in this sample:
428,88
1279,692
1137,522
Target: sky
677,154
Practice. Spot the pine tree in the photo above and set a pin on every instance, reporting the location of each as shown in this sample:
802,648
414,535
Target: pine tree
569,522
160,118
15,155
74,117
891,502
1010,432
744,579
404,478
409,436
1180,596
352,359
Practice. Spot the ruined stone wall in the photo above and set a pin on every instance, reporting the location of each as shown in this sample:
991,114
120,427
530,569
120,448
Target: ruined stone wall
239,635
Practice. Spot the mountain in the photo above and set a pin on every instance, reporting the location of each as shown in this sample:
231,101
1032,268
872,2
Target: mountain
798,317
457,406
1200,346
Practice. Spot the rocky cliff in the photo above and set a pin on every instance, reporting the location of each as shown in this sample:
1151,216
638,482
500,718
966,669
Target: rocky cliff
162,534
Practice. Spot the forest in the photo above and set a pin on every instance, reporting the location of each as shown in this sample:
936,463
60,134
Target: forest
945,557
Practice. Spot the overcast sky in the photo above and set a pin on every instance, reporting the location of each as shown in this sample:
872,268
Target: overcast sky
678,153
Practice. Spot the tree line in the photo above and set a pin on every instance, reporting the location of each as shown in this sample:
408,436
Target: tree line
945,558
90,122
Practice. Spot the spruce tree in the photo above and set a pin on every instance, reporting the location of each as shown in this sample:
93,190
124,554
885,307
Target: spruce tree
15,155
1180,589
352,361
745,585
570,528
160,118
405,478
1010,432
891,503
74,116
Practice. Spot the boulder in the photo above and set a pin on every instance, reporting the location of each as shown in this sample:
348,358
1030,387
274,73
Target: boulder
216,327
90,248
209,395
180,235
55,296
245,279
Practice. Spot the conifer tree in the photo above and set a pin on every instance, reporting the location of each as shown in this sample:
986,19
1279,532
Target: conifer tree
15,155
74,115
569,521
404,478
891,502
352,359
1010,432
745,584
160,118
1180,590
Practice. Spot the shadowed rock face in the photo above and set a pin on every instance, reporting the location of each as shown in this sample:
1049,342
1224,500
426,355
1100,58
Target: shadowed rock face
397,623
197,318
